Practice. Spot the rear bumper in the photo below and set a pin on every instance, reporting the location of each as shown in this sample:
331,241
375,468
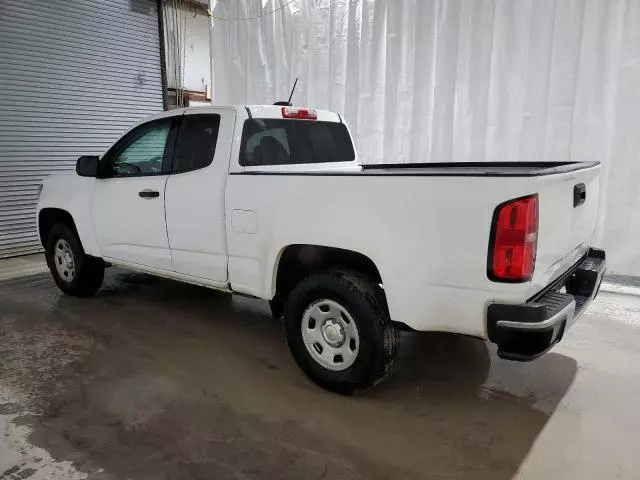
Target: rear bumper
525,331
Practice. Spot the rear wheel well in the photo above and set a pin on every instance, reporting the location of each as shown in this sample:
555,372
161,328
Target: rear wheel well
48,217
299,261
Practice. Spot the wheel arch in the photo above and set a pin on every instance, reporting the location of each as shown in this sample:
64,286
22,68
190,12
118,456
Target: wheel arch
48,217
296,261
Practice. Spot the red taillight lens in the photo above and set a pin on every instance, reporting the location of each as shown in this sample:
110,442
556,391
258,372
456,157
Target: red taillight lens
299,113
514,240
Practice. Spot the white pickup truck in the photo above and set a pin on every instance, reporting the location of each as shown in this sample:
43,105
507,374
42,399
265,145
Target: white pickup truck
272,202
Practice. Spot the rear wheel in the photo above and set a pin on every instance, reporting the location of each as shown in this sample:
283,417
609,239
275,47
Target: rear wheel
74,272
339,331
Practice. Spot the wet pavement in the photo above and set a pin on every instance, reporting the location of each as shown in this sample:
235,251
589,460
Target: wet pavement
153,379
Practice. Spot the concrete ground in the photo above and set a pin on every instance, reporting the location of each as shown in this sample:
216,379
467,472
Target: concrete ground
153,379
16,267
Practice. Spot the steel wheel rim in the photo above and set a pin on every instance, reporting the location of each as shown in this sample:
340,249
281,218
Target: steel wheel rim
330,334
64,261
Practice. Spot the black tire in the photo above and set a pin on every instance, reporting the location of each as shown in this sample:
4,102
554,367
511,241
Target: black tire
364,300
89,271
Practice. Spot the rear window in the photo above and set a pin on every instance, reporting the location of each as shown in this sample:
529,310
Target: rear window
271,141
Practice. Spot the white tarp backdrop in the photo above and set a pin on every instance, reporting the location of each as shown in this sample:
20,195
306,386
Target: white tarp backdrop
456,80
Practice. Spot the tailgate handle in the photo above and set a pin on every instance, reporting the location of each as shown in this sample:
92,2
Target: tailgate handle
579,195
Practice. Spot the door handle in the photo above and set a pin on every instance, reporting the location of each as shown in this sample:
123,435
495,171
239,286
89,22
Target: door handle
149,194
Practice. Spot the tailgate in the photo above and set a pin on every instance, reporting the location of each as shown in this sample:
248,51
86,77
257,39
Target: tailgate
568,209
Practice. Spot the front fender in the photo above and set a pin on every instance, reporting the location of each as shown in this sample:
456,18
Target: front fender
73,194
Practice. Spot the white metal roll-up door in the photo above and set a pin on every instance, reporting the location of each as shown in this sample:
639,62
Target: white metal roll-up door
74,74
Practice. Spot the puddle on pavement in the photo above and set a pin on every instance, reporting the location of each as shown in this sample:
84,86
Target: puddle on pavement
19,459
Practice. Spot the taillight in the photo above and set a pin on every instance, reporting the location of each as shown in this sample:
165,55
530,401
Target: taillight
514,240
299,113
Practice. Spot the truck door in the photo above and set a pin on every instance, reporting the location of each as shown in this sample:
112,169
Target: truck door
128,202
195,194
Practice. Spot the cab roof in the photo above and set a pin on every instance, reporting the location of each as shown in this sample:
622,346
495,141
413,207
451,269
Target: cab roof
255,111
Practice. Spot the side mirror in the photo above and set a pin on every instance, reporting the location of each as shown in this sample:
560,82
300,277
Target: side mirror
87,166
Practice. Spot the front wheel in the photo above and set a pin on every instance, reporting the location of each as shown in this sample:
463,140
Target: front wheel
339,331
74,272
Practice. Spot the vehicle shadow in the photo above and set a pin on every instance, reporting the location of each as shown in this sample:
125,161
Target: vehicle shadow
476,416
183,382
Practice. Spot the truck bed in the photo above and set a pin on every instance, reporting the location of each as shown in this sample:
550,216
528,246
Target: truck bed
428,225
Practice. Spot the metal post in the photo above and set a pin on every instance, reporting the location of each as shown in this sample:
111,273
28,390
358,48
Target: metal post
212,6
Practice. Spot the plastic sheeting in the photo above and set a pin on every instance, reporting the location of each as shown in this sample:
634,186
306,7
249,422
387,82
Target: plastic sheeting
456,80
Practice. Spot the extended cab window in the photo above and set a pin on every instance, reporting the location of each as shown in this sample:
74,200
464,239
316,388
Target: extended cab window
288,142
196,142
141,152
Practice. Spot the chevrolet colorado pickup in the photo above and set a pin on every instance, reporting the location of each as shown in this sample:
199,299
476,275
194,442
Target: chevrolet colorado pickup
272,202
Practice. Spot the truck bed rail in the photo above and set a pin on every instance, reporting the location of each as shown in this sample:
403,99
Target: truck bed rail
478,169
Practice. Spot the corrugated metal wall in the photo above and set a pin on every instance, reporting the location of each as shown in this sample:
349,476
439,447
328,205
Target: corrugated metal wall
74,74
